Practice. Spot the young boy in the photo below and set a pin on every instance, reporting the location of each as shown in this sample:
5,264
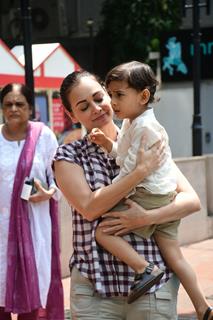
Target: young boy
132,87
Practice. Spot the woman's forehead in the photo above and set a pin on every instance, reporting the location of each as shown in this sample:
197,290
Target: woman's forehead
14,94
86,86
88,83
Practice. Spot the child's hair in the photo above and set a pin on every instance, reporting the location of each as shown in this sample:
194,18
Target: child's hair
138,75
70,82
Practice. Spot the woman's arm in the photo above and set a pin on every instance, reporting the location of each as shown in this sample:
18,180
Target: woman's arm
92,204
42,193
43,174
185,203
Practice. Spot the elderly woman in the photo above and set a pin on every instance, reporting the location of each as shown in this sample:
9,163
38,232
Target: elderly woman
99,282
29,250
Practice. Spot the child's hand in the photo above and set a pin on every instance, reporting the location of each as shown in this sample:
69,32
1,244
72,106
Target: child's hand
98,137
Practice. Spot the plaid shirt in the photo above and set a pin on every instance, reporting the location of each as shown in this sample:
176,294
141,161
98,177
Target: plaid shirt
109,276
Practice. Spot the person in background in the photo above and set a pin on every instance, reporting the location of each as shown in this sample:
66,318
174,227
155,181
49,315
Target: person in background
30,276
100,283
73,131
132,87
75,134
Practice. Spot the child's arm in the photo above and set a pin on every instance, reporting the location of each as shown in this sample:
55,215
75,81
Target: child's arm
98,137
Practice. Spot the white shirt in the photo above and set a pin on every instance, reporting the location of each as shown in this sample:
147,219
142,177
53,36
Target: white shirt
40,222
160,181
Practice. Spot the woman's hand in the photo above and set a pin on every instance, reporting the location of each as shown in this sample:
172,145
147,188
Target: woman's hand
42,194
151,159
123,222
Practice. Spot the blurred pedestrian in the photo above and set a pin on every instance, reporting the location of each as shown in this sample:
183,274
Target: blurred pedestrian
29,237
74,134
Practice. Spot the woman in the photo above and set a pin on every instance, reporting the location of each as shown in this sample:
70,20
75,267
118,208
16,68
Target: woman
29,254
99,282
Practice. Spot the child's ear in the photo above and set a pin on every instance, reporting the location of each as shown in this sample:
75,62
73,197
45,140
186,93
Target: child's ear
145,95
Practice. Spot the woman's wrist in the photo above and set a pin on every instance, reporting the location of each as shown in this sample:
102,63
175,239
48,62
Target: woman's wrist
150,216
51,191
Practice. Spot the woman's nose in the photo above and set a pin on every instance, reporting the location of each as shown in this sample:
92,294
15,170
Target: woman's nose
13,107
96,107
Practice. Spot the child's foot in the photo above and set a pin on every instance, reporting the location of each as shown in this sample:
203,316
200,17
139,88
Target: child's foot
208,315
144,281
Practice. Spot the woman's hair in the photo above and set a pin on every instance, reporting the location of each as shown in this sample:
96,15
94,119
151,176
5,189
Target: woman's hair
70,82
138,75
24,90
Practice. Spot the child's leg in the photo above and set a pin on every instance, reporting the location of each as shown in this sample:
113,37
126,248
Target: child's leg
172,254
121,249
147,274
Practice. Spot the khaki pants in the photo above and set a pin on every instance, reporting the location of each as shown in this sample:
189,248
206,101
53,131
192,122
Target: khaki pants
151,201
88,305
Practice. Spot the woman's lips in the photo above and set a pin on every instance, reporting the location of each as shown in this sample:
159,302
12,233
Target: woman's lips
99,117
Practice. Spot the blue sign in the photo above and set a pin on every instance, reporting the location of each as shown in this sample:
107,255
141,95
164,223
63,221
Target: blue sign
177,51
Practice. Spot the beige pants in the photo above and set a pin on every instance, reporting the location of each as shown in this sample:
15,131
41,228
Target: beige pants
86,304
151,201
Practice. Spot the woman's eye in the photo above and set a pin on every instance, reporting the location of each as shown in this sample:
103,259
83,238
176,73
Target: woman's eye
84,107
7,105
99,100
20,104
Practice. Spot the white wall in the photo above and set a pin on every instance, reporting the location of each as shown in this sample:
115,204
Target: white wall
175,112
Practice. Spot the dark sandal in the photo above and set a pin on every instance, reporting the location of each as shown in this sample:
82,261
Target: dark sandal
207,313
144,281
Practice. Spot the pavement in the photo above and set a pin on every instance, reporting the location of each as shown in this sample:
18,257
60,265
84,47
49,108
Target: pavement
200,257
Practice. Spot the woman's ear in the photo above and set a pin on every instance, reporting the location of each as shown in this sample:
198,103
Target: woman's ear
145,95
71,116
74,120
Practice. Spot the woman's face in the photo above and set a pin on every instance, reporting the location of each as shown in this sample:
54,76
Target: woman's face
16,109
90,104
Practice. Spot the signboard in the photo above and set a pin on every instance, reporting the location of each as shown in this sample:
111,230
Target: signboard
41,107
58,116
177,51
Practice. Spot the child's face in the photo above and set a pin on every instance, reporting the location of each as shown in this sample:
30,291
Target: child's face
126,102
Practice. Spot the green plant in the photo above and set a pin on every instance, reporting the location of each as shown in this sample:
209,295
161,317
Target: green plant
132,28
